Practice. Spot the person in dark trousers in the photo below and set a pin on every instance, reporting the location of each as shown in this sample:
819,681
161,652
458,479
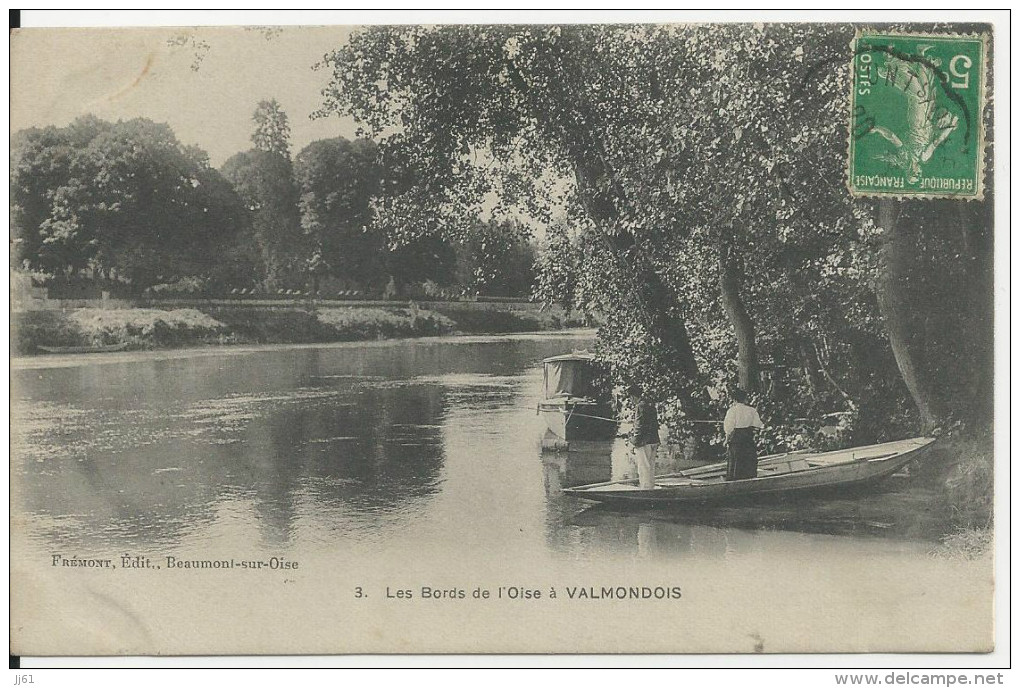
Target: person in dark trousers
739,424
644,437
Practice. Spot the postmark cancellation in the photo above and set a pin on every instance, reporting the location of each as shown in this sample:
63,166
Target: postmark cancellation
916,126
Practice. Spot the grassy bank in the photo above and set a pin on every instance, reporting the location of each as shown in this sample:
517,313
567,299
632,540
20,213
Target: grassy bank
263,326
150,328
139,328
497,321
961,471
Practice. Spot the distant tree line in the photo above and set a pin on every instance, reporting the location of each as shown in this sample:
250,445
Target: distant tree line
127,203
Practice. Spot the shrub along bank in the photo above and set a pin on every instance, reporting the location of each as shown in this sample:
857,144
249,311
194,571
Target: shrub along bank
151,328
285,326
497,320
139,328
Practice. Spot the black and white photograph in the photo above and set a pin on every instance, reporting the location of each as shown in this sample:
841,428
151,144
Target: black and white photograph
509,336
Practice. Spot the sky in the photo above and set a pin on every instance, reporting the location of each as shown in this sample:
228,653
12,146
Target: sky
58,75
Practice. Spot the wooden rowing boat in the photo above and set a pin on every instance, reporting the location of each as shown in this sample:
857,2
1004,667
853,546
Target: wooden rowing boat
779,474
83,349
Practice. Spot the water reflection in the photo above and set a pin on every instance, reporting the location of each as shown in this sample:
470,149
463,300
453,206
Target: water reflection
350,451
569,469
416,446
898,515
645,534
147,453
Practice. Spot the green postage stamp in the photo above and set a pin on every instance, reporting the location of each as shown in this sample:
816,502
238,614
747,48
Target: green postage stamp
916,107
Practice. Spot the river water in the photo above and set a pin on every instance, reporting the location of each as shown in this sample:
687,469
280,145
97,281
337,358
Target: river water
423,454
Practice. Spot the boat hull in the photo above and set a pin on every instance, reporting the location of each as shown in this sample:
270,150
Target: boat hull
570,421
805,473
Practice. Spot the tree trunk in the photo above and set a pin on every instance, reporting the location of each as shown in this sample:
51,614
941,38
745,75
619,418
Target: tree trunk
731,278
893,290
977,252
811,374
659,305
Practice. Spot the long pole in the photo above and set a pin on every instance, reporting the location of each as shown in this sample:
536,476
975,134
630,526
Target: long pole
617,420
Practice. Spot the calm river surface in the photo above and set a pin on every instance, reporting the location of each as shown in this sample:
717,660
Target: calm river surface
360,447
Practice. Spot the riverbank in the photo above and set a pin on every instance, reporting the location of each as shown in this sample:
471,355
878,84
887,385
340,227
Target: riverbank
139,329
962,471
77,360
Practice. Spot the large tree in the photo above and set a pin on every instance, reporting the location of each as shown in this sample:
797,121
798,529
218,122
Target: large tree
703,163
475,110
265,181
124,199
338,180
264,178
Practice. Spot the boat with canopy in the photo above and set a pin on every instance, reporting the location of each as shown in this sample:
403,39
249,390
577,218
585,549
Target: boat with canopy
572,407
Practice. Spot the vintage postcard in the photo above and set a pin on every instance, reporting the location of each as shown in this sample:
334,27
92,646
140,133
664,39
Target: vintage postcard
503,338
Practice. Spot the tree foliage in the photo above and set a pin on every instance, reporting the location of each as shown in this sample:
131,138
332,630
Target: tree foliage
272,131
338,180
124,199
702,169
265,181
496,258
128,202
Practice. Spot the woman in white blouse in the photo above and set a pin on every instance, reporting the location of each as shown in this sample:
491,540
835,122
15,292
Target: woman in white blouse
739,424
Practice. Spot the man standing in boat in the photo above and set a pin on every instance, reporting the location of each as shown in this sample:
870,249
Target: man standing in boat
644,437
739,424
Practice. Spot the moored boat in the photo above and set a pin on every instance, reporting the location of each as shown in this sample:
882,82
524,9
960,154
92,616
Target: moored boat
572,407
778,474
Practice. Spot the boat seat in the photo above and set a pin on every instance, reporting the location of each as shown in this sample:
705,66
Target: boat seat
791,466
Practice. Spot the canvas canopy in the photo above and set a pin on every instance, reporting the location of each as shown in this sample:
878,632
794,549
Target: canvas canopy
568,376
